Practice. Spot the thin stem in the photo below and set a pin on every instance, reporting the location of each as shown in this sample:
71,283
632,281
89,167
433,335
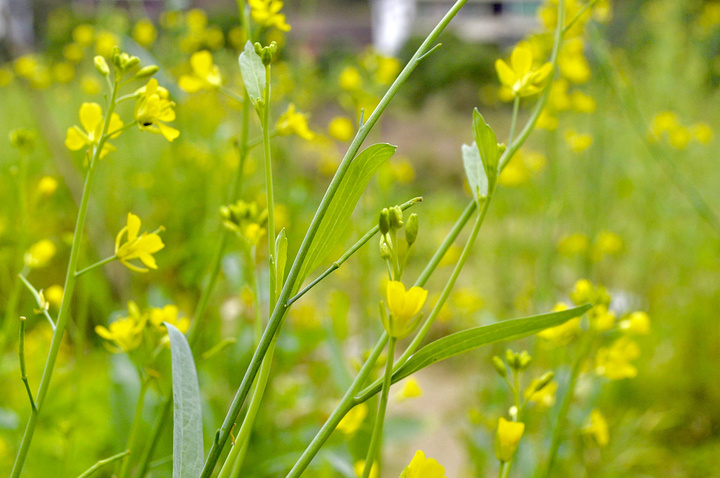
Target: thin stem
224,90
513,122
346,404
376,439
501,470
506,469
355,247
104,462
23,373
135,427
38,300
122,128
269,186
69,288
579,14
281,309
101,263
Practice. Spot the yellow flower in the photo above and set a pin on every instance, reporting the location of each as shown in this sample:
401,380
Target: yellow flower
663,122
545,396
39,254
353,419
90,85
578,142
54,294
205,74
126,332
47,186
637,323
521,78
607,243
702,132
614,362
410,389
168,314
6,76
584,291
144,32
597,428
137,247
266,13
572,62
341,128
214,38
359,468
404,308
387,69
583,103
105,42
83,34
73,52
91,118
403,171
573,244
507,439
601,319
679,137
246,220
196,20
291,122
421,467
63,72
565,333
350,79
152,108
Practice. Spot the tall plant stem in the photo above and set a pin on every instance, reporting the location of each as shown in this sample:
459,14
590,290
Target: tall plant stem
70,280
269,185
376,439
280,309
135,427
513,121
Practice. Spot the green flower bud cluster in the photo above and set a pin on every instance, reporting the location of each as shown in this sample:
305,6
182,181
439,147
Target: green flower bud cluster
266,53
391,221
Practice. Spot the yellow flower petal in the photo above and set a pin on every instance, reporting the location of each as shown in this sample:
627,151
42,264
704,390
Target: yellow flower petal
521,61
201,63
168,133
133,226
190,84
505,73
75,139
91,117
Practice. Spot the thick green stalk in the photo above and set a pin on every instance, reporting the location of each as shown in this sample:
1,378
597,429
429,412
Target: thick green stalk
281,309
69,288
269,189
376,439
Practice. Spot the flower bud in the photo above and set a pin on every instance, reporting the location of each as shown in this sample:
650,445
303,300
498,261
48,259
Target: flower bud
101,65
507,439
411,229
396,217
147,72
384,222
385,251
543,381
499,365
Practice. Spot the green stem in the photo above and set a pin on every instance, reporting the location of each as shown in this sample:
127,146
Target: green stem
69,288
506,469
346,404
101,263
135,427
38,300
376,439
501,470
23,372
269,184
281,309
513,122
102,463
231,94
232,461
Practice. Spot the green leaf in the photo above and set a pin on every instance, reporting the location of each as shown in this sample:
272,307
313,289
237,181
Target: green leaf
252,71
281,246
187,414
337,217
486,141
475,171
474,338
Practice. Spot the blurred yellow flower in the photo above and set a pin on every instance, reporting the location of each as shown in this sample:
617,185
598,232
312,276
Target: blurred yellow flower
350,79
63,72
292,122
565,333
519,76
54,294
245,219
144,32
91,118
547,121
39,254
387,69
404,307
353,419
663,122
601,319
573,244
614,362
6,76
637,323
105,42
153,108
596,427
137,247
403,171
83,34
572,62
90,85
578,142
196,20
214,38
421,467
544,397
73,52
169,314
410,389
341,128
359,468
702,132
266,13
126,332
679,137
507,439
584,291
47,186
583,103
205,74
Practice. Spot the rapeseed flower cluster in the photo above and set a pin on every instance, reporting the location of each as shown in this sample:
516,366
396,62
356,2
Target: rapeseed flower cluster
247,220
266,13
667,126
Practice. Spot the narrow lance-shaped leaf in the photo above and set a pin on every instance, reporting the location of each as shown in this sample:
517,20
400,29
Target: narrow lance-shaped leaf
486,141
252,71
187,413
477,337
337,218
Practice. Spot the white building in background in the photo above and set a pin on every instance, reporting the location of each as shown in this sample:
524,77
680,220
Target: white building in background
490,21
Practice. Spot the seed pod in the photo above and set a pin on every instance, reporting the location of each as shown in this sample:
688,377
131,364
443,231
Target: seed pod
101,65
